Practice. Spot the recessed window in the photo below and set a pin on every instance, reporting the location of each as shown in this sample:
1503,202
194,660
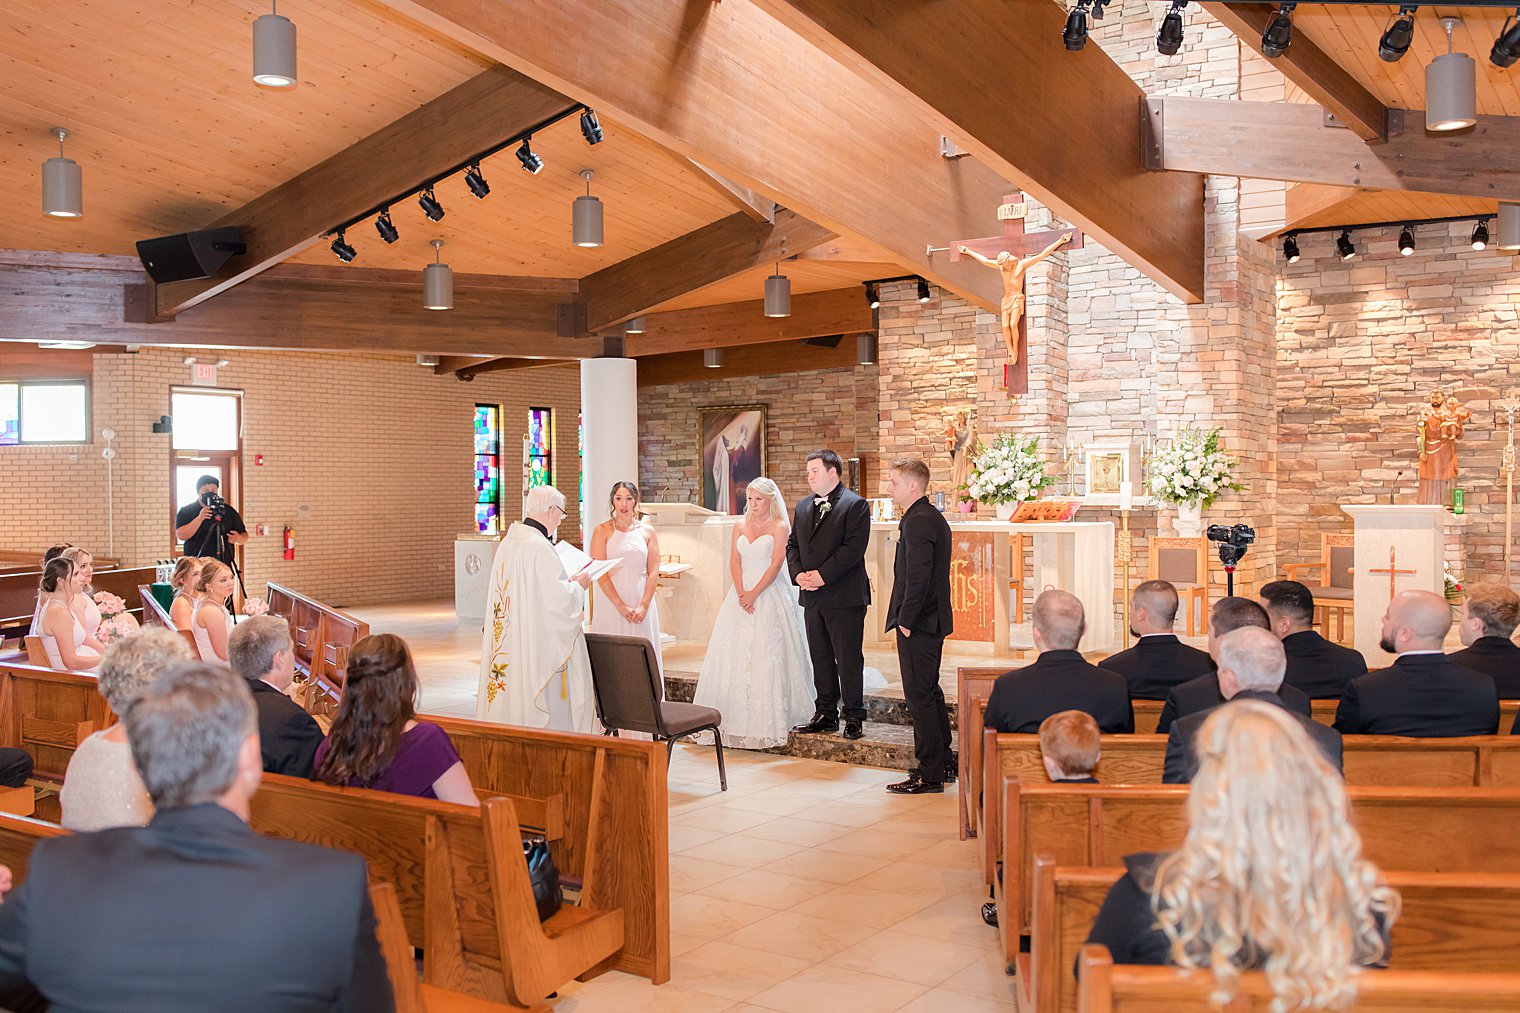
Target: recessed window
44,411
204,421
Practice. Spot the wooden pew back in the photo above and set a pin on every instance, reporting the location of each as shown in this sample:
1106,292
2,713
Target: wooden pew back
322,635
154,614
18,591
972,688
48,713
18,835
1449,922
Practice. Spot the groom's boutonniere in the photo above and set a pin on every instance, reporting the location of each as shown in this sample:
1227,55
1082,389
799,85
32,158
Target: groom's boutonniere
823,511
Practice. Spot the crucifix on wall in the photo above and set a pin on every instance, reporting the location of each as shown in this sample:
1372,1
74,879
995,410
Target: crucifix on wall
1393,572
1013,254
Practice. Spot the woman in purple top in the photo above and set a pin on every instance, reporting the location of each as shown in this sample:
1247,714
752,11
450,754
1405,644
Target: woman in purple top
376,740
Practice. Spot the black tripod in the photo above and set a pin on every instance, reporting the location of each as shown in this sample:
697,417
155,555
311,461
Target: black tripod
1229,555
219,534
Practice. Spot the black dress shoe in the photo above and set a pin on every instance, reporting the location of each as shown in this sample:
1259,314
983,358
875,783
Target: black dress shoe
821,722
952,771
854,729
916,785
989,913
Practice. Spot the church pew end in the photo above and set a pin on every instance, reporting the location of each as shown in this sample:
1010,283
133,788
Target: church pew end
400,964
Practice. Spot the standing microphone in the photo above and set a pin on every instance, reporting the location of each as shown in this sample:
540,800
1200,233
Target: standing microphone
1395,488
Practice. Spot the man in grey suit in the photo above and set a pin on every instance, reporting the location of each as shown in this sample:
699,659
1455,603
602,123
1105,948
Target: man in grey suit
194,911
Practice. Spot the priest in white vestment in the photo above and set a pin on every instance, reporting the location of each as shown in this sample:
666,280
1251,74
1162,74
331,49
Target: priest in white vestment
533,668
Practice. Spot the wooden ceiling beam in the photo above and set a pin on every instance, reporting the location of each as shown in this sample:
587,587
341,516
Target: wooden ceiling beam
1288,141
769,359
994,76
731,325
468,371
1311,68
726,86
484,111
761,209
712,253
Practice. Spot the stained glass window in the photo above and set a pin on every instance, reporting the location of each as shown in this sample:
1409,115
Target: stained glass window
540,446
488,469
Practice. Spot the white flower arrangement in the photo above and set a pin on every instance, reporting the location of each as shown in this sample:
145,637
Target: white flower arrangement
1009,471
1193,469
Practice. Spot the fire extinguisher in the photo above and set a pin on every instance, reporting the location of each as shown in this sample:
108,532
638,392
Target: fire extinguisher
290,542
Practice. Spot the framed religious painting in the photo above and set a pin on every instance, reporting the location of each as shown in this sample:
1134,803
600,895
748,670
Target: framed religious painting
1108,467
730,452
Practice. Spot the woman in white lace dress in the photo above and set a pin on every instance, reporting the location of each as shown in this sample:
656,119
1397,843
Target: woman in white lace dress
757,672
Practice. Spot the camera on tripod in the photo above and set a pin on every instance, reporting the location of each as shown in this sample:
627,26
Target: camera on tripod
1233,541
214,503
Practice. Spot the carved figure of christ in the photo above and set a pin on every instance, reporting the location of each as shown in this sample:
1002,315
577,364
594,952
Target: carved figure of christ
1013,270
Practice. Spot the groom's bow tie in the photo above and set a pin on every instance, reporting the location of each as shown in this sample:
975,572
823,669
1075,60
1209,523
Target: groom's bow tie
819,501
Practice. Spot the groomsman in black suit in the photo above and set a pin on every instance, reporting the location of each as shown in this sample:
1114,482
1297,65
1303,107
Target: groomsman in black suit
1158,661
1424,693
826,557
1315,665
920,613
1493,612
1060,678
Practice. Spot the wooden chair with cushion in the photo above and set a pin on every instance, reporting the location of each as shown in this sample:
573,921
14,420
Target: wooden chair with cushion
1184,563
1332,592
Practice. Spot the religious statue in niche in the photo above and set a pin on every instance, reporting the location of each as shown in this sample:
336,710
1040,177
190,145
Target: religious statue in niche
1013,270
1442,423
960,440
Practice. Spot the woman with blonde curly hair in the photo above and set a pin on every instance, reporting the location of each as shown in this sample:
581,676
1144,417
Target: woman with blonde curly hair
1270,876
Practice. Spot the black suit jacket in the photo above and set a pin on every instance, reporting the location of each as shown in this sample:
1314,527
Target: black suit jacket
1499,659
1320,668
1059,681
836,548
288,736
193,912
1157,663
1203,694
921,573
1182,763
1423,695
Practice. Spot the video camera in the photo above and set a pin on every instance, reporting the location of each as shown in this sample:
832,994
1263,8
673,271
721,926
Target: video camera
1233,542
214,503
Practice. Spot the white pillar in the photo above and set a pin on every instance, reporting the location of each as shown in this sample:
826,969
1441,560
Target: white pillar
610,417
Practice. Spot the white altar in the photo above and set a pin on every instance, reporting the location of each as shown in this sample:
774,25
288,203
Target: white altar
473,555
699,538
1078,556
1399,547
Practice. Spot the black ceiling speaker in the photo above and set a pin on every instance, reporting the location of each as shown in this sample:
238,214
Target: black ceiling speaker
189,255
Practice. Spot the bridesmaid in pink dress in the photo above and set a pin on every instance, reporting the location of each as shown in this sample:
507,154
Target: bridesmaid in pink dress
624,603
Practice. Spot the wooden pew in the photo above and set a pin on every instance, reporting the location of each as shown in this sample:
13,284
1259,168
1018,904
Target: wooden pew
972,688
48,713
1450,922
32,559
411,995
1412,829
1107,987
154,614
18,592
323,636
18,834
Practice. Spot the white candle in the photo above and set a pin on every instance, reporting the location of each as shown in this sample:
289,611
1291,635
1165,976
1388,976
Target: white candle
1126,495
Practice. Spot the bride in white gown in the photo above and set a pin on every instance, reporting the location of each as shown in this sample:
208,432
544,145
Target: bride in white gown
757,671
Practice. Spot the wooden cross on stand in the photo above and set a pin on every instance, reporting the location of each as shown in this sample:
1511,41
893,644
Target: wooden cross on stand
1393,573
1022,245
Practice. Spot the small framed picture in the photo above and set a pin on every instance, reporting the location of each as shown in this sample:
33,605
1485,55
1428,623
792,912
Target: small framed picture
1109,466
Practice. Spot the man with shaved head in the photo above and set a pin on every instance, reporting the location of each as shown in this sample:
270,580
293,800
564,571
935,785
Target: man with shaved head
1251,667
1060,678
1158,661
1424,693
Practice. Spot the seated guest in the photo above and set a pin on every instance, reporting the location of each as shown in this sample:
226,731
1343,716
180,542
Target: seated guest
54,551
194,911
83,603
187,573
65,641
1316,667
1424,693
1492,613
1158,661
1269,877
1069,747
210,623
261,651
376,740
1251,666
1059,679
1201,694
101,787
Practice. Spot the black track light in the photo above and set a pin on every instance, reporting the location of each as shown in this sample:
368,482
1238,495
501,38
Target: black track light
1169,37
531,162
1279,34
1074,35
873,295
1507,46
430,205
1480,235
591,127
1345,247
1290,250
386,227
1397,36
342,250
1406,241
476,182
923,290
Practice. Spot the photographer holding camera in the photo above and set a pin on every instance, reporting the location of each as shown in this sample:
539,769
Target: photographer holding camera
209,526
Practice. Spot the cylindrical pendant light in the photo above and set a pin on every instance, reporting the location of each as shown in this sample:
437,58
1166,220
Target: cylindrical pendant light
634,326
62,183
1451,87
586,217
1507,235
274,50
778,295
437,282
712,358
865,349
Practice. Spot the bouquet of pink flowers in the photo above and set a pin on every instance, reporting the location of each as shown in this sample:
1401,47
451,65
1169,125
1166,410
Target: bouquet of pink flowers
115,621
255,607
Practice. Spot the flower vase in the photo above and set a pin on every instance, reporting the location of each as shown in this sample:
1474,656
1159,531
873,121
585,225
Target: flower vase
1189,522
1005,510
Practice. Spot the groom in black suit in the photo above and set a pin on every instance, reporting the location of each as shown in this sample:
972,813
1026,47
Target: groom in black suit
826,557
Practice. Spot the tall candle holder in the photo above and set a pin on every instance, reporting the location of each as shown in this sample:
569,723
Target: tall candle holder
1124,552
1508,467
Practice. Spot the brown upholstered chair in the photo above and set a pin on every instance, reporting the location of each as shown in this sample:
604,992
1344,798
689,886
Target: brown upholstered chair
626,679
1184,563
1332,592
